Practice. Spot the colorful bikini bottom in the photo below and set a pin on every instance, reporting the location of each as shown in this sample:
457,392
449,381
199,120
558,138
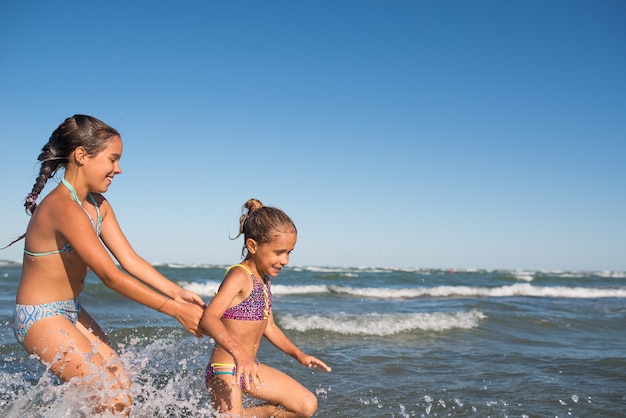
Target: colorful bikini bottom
26,315
213,369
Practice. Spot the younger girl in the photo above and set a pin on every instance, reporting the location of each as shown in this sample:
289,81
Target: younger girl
72,230
241,313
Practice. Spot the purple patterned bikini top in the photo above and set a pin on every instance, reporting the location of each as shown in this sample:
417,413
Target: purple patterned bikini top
257,306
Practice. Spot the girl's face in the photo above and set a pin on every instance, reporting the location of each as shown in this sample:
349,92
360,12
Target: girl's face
105,165
271,257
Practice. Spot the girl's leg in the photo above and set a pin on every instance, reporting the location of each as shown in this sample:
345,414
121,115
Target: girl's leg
225,394
78,351
101,344
114,367
286,397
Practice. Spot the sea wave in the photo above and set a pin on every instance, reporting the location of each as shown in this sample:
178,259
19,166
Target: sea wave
518,289
210,288
202,289
521,289
376,324
355,271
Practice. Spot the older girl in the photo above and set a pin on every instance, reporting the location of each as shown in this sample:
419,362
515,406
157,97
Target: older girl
72,230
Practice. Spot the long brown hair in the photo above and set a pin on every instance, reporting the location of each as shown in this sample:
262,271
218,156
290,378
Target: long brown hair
77,131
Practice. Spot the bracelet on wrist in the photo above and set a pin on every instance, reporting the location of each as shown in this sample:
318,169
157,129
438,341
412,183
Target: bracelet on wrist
163,304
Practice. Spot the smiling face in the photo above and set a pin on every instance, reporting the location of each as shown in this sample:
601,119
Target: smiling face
272,256
103,166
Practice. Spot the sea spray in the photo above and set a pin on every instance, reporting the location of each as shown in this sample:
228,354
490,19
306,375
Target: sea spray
166,382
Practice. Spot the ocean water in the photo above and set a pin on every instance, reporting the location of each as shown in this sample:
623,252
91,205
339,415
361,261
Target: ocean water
402,343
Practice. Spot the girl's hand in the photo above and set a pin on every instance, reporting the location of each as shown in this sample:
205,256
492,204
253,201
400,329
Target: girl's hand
310,361
248,372
188,314
191,297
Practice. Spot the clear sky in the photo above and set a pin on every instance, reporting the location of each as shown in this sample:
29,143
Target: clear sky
435,134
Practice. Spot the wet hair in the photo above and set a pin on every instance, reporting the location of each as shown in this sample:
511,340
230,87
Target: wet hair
262,223
77,131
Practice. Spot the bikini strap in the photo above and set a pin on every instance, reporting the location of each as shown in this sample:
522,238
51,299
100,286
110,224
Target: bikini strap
97,225
73,193
71,189
239,265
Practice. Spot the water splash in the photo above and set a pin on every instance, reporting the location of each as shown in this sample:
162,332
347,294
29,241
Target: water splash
167,381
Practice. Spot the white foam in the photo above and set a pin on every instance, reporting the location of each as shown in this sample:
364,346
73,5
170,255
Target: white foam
524,275
202,289
210,288
382,324
520,289
279,289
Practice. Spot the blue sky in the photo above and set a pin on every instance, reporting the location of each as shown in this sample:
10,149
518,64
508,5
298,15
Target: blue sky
436,134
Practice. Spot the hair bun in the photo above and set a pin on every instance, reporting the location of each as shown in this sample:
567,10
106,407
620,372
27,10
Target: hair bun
253,205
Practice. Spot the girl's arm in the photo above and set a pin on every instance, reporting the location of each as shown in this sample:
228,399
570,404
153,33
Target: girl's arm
136,266
278,338
74,225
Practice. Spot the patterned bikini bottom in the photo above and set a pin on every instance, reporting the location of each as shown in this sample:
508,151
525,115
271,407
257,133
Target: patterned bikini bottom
26,315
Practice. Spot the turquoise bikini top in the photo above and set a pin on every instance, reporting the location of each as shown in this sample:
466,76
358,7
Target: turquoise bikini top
67,248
